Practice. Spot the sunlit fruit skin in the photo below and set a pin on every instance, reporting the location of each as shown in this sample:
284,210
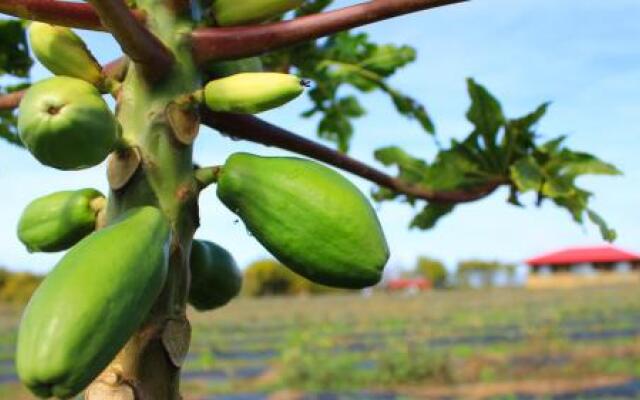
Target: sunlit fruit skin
66,124
221,69
251,92
58,220
234,12
91,303
308,216
63,52
215,276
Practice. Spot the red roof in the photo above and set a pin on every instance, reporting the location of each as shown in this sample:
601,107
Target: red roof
577,255
406,283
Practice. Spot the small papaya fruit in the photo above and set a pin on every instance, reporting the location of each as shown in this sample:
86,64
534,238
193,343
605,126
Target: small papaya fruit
221,69
251,92
232,12
308,216
63,52
59,220
93,300
66,124
215,276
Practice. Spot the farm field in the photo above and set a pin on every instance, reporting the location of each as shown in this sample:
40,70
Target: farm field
496,344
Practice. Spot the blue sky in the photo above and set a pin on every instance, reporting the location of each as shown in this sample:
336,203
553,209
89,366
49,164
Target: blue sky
583,56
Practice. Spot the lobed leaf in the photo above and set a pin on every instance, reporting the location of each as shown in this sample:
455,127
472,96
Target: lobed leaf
498,149
347,60
16,63
14,50
430,215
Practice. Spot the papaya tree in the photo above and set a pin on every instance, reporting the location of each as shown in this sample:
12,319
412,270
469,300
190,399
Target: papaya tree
110,318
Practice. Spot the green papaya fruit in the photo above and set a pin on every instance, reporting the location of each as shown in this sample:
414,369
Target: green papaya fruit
63,52
91,303
66,124
215,276
233,12
308,216
221,69
59,220
251,92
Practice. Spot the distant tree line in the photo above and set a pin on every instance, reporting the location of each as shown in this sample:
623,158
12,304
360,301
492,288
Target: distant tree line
468,273
269,277
17,287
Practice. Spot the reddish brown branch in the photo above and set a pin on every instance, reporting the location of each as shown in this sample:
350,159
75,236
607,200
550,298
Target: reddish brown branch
12,100
116,69
64,13
244,41
142,47
256,130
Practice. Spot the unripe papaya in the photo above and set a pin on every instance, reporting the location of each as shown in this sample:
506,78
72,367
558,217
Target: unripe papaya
221,69
64,53
59,220
93,300
233,12
308,216
66,124
251,92
215,276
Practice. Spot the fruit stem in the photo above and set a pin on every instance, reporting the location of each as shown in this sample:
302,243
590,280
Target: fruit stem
98,204
207,175
191,99
110,86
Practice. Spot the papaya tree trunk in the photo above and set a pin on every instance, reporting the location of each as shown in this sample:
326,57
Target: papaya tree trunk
154,167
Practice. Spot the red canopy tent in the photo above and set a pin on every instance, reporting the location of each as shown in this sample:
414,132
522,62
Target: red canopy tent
579,255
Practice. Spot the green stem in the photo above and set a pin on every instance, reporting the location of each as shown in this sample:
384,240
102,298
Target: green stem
148,367
111,86
207,176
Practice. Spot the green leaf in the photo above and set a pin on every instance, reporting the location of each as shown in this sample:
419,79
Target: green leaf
514,196
14,51
527,175
392,155
367,80
576,203
519,137
553,145
335,125
529,120
576,163
558,186
382,194
607,233
410,168
385,60
411,108
430,215
312,7
452,170
519,159
15,62
8,129
470,148
346,60
485,114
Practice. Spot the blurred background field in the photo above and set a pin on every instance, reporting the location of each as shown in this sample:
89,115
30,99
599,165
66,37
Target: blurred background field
501,343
